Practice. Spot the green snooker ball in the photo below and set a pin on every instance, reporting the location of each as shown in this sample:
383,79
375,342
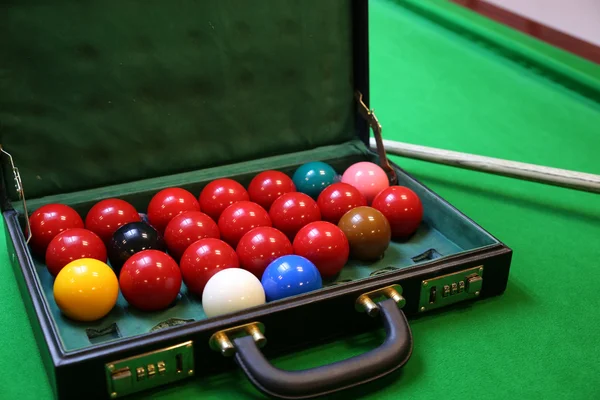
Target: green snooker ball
311,178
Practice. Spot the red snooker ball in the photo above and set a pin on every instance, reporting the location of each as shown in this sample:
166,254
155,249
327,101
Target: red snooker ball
239,218
73,244
220,194
169,203
48,221
325,245
186,228
106,216
402,208
267,186
260,246
291,211
150,280
337,199
204,258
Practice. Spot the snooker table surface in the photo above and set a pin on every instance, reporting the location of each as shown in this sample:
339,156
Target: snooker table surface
436,87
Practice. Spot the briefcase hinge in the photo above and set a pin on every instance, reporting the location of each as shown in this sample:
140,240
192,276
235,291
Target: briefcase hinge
369,116
19,189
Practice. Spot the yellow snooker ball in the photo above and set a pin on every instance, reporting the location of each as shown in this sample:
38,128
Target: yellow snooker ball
86,289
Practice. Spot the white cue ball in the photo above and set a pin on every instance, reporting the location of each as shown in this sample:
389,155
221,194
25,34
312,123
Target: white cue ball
231,290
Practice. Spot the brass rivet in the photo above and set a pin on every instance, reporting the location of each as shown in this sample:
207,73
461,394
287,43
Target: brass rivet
422,308
111,367
476,293
480,270
257,335
191,372
369,306
425,283
113,395
225,345
394,295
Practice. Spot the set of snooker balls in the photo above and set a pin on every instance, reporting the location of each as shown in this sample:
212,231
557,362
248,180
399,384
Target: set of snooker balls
233,247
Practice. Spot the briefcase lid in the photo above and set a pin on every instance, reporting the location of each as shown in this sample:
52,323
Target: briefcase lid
97,93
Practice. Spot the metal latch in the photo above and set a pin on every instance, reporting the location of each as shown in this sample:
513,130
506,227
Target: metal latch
149,370
451,288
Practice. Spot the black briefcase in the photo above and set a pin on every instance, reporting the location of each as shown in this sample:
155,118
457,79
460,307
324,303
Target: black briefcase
121,99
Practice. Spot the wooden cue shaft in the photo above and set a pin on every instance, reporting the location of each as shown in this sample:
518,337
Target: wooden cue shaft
531,172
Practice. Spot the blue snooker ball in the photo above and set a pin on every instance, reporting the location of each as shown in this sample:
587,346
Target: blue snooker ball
289,276
311,178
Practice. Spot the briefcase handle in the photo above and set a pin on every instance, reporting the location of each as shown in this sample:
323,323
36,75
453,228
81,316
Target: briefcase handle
390,356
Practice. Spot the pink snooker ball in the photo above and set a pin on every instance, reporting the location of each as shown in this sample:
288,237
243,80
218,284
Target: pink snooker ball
369,178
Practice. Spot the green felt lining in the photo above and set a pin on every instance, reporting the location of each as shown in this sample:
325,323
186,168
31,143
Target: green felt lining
101,92
131,322
443,230
439,214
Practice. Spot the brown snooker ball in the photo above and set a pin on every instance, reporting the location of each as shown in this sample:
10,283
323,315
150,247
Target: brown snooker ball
368,232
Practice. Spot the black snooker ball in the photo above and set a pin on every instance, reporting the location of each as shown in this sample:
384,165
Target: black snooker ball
144,217
130,239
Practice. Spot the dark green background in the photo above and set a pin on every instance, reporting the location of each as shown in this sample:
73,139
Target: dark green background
539,340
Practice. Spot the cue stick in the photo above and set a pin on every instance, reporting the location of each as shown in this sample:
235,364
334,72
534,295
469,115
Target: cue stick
531,172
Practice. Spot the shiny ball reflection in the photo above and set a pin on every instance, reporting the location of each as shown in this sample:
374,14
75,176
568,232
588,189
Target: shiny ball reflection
290,275
231,290
368,232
